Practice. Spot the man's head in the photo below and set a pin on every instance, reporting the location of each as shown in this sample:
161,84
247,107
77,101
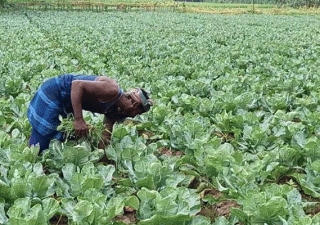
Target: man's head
135,102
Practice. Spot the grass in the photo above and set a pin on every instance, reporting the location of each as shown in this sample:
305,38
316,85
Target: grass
92,1
224,5
187,7
99,5
234,9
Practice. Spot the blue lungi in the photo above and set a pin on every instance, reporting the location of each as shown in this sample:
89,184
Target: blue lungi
52,99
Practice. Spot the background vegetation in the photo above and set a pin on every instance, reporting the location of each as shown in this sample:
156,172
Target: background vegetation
288,7
233,137
282,3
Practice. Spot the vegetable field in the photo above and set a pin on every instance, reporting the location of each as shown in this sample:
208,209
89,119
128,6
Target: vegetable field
233,137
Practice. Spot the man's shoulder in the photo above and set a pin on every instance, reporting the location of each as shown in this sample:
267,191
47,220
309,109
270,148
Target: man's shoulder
107,79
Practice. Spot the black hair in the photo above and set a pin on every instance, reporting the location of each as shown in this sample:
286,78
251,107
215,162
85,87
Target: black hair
146,94
146,107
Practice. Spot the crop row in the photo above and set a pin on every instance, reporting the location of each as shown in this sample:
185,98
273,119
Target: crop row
235,121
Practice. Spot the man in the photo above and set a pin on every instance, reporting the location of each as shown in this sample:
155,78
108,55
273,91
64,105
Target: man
73,93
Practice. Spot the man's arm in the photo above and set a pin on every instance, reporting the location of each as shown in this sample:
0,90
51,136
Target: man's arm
107,133
104,89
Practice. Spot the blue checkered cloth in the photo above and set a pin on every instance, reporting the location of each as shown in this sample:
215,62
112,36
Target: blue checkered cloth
52,99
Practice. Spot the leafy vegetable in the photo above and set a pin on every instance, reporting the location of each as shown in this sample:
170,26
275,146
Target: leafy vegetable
236,115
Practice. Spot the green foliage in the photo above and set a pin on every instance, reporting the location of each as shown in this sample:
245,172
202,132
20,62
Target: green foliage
170,206
95,132
24,212
236,111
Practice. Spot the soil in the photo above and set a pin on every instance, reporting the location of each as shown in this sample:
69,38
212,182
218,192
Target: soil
226,136
209,212
145,134
45,170
214,192
224,208
59,220
284,180
130,122
220,209
105,160
168,152
194,184
296,120
313,210
128,217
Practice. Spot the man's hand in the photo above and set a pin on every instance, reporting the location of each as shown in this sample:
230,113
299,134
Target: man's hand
105,140
81,127
107,133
